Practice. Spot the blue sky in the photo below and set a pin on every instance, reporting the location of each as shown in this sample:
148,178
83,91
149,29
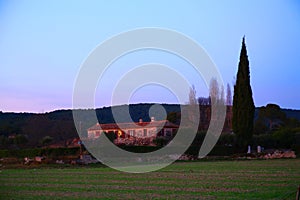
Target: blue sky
43,44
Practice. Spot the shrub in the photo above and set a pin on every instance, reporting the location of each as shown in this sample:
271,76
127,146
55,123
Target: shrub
264,140
284,138
160,141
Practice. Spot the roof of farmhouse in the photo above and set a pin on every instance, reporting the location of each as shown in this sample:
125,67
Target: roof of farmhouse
133,125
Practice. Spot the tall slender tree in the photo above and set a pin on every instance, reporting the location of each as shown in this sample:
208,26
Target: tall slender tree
228,96
243,105
192,105
222,95
192,96
214,91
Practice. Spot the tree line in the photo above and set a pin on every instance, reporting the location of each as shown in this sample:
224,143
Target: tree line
270,128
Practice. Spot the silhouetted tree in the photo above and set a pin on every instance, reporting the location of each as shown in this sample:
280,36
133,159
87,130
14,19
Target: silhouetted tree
46,140
192,106
20,139
192,96
260,127
214,91
174,117
243,105
273,114
228,96
222,95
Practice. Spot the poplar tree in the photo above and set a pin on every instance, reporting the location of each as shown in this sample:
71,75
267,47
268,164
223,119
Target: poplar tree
243,105
228,96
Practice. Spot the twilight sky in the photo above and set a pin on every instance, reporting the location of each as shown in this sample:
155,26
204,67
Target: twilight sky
44,43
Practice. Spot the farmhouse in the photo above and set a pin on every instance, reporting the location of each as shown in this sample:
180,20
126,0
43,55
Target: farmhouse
135,133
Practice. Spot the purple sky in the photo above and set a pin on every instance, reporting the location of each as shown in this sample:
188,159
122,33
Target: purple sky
43,44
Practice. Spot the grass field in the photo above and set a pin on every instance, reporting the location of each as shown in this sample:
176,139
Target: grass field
255,179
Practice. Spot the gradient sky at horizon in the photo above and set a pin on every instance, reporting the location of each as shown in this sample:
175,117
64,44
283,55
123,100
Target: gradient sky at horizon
43,44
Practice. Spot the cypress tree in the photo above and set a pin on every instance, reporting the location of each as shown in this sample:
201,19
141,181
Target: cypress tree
243,105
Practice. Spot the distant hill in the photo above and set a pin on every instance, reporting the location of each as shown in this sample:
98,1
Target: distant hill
292,113
60,125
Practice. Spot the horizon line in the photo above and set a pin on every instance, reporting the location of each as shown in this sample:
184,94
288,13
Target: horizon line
107,106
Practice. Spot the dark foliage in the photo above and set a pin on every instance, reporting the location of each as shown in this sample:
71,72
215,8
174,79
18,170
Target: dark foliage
111,136
243,105
51,152
160,141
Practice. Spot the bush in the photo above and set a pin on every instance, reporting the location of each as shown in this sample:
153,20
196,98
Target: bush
284,138
46,140
140,149
264,140
227,139
51,152
222,151
160,141
218,150
20,153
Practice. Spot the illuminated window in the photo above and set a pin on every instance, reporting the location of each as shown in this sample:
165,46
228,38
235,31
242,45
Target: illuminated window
131,133
97,134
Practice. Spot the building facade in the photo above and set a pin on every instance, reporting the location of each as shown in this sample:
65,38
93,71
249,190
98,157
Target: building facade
135,133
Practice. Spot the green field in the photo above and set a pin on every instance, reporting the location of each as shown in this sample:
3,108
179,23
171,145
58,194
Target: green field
255,179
